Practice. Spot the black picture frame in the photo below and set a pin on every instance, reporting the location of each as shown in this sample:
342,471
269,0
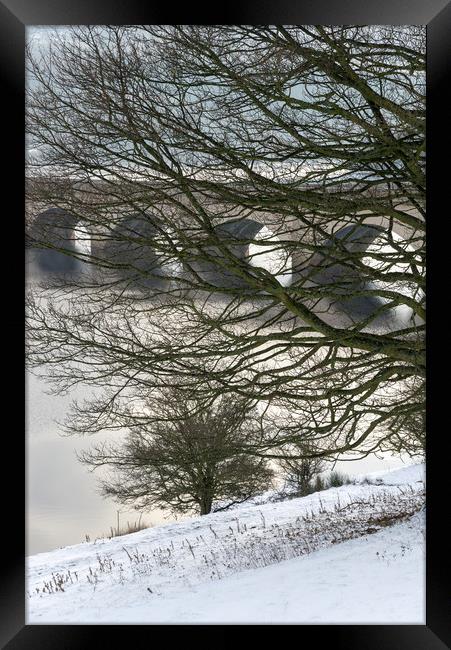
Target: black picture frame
15,15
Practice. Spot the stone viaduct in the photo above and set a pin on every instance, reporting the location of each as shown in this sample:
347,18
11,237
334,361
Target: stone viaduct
60,228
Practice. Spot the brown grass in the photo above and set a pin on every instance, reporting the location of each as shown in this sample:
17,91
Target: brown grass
131,527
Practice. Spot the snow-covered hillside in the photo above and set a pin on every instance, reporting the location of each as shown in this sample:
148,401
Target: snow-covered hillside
348,554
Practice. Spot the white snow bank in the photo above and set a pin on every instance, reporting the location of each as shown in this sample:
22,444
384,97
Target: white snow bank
409,474
404,475
216,568
374,579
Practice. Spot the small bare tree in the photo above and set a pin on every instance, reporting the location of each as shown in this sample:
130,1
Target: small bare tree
300,468
185,462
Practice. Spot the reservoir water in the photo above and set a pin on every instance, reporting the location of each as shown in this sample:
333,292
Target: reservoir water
63,504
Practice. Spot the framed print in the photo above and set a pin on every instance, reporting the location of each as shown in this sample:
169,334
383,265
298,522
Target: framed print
225,251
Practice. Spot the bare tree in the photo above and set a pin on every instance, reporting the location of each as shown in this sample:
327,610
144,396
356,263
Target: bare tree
177,458
300,469
172,147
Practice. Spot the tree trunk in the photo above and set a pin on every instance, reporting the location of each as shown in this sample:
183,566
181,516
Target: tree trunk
205,505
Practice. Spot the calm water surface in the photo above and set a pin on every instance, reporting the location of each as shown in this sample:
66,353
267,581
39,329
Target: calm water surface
63,503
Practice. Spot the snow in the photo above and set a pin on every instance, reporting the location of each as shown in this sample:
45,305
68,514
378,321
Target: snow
374,579
325,558
409,474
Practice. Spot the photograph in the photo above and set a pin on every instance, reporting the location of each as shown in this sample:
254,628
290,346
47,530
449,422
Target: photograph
225,324
222,308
